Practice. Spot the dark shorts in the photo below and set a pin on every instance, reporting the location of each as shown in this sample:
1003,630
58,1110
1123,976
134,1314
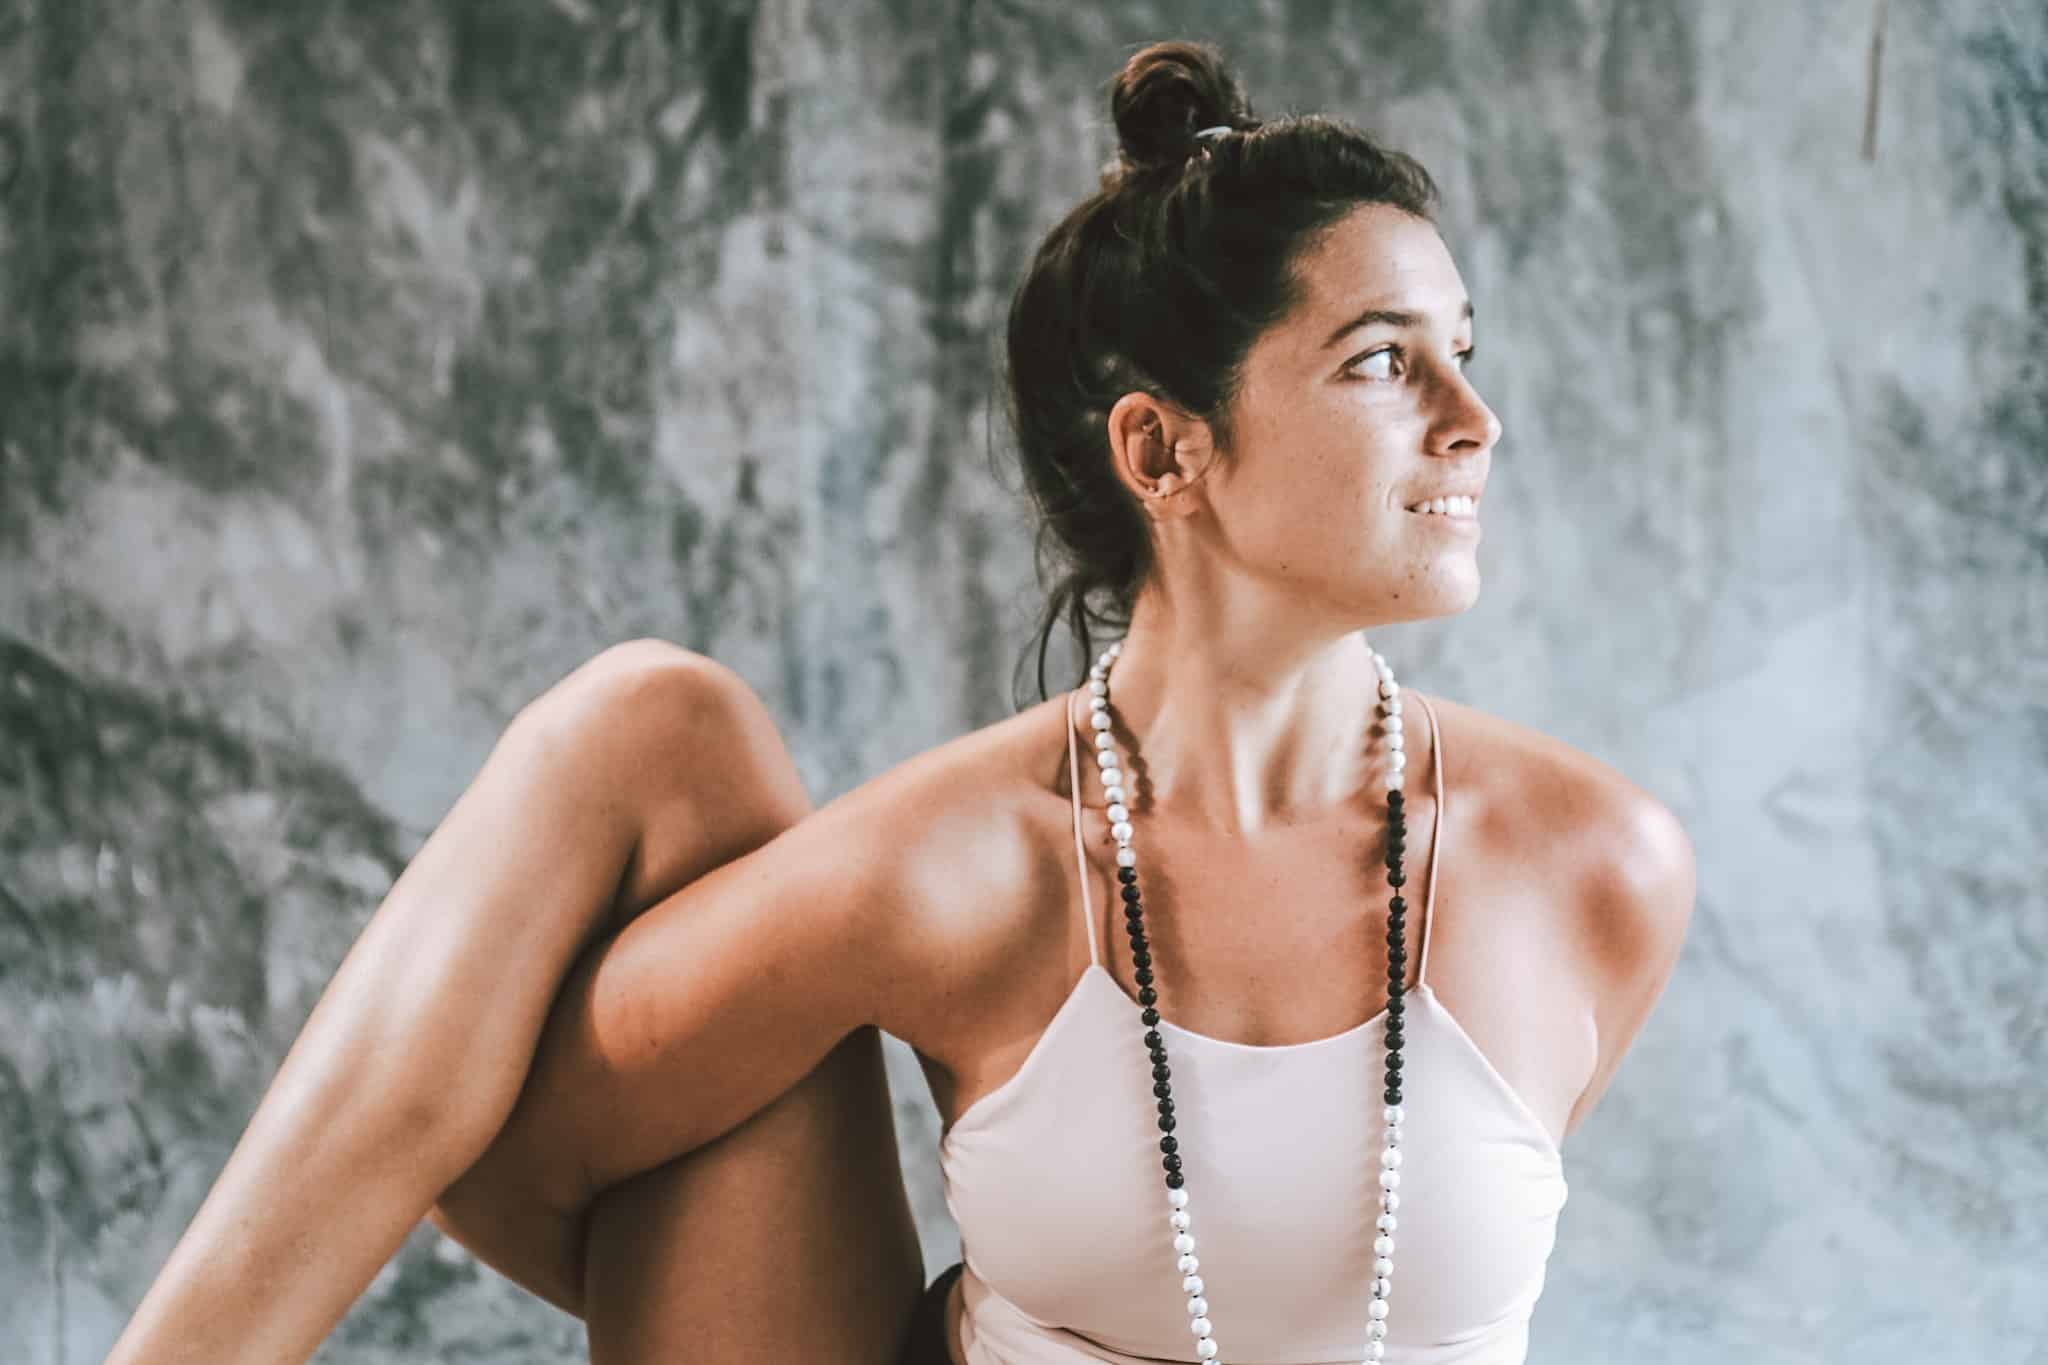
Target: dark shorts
927,1343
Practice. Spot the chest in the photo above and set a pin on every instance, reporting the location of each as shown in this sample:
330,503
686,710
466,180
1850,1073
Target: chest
1281,940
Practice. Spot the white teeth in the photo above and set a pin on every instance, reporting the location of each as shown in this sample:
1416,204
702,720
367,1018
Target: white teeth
1458,505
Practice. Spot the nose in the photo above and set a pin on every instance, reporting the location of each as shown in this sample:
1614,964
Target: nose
1465,423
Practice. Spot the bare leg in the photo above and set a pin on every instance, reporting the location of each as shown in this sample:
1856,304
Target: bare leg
788,1239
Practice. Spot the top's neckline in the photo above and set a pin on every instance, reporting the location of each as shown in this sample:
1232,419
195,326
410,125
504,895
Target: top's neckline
1167,1025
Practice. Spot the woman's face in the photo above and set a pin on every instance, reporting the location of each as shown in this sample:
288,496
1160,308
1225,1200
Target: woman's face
1354,409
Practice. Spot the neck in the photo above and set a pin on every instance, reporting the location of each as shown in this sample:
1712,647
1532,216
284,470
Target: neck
1233,738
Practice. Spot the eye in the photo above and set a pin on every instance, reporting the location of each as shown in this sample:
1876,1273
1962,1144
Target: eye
1390,354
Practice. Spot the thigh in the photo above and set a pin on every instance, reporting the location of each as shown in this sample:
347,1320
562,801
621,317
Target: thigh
790,1238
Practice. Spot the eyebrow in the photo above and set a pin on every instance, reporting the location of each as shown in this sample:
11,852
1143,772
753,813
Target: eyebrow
1392,317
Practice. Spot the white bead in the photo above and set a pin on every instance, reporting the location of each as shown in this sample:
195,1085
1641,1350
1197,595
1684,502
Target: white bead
1375,1350
1112,776
1112,794
1117,813
1387,1223
1392,1114
1391,1157
1392,706
1382,1245
1389,688
1116,647
1183,1243
1202,1327
1397,760
1378,1308
1191,1285
1105,760
1180,1218
1390,1180
1189,1264
1097,674
1098,687
1376,1330
1383,1266
1391,724
1382,1287
1100,720
1206,1348
1178,1198
1397,744
1390,1201
1104,740
1396,780
1126,857
1198,1307
1100,701
1121,831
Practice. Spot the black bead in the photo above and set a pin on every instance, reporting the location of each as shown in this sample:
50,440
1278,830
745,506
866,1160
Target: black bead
1169,1144
1160,1071
1393,1095
1127,875
1147,996
1396,797
1396,877
1140,958
1397,905
1166,1106
1152,1038
1166,1123
1149,1016
1130,893
1173,1180
1158,1055
1171,1161
1143,976
1393,1061
1162,1090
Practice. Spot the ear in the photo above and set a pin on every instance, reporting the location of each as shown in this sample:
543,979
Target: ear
1160,453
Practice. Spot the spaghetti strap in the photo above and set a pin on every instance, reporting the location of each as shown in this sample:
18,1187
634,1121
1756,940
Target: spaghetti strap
1436,834
1080,851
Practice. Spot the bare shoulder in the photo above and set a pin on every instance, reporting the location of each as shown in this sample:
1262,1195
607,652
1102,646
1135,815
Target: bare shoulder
1620,862
1587,810
964,825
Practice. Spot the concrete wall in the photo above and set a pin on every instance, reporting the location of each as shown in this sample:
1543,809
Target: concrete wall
363,368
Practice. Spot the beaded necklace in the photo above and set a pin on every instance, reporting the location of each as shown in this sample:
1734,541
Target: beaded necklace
1179,1220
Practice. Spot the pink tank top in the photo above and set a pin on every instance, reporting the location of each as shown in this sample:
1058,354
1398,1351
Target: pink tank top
1053,1178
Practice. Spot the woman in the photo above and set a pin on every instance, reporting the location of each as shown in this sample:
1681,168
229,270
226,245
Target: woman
1238,381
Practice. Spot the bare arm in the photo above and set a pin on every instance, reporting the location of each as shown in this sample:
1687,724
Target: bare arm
1638,905
417,1050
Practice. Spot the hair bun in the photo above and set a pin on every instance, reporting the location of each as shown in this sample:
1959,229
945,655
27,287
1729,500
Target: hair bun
1165,94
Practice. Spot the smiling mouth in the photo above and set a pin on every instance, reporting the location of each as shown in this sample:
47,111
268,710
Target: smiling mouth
1456,508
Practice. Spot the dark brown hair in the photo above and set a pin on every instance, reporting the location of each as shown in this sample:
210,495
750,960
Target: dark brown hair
1161,281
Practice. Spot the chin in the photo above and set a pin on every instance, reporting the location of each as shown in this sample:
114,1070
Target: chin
1435,601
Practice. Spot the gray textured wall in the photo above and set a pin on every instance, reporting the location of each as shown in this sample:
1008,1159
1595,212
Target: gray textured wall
363,368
